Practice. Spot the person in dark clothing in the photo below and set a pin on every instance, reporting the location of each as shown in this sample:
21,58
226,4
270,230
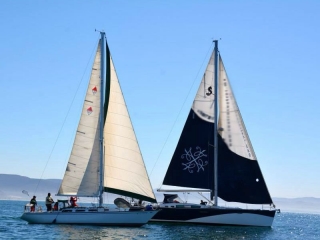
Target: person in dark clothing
203,203
34,202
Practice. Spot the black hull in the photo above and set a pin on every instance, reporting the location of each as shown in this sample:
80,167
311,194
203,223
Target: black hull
215,216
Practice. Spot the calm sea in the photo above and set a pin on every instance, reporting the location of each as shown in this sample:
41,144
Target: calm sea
285,226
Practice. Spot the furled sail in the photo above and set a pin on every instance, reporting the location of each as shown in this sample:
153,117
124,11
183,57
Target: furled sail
239,175
81,177
124,171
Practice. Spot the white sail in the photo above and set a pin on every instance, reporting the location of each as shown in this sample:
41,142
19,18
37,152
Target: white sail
82,174
203,103
124,169
231,126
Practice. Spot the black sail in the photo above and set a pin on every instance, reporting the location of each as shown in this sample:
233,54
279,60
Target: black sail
237,176
240,179
191,165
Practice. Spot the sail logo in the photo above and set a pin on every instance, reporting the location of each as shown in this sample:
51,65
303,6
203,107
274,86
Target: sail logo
94,90
89,110
209,91
205,115
194,160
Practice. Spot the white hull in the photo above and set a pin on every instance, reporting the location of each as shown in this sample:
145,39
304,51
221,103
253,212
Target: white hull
243,219
118,218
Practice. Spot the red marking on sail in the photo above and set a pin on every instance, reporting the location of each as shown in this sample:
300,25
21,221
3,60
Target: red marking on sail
89,110
94,90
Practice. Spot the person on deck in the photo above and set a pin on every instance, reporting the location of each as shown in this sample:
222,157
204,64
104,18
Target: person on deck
49,202
73,201
34,202
56,206
203,203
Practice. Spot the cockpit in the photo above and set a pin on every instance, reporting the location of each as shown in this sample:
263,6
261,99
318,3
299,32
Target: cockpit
172,198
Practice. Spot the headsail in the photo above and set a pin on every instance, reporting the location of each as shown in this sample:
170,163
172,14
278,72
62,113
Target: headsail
239,175
125,172
82,173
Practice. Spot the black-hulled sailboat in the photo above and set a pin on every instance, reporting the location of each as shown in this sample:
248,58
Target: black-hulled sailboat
215,158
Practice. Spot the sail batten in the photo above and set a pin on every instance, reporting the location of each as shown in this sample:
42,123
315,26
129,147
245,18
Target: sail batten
125,159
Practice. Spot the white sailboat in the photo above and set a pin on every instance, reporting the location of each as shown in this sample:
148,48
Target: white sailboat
215,158
105,157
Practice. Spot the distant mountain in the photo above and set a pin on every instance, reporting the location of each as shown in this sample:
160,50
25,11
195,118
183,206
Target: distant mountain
11,187
302,205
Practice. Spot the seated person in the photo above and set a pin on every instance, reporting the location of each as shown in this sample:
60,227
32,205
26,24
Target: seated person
56,206
203,203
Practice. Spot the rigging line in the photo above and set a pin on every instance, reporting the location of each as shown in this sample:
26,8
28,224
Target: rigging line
175,121
64,121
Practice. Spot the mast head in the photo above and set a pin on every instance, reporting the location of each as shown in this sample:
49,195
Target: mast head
215,41
101,32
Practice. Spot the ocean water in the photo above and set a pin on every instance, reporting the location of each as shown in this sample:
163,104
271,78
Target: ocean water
285,226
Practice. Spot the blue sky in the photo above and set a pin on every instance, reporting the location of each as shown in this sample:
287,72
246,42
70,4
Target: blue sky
160,48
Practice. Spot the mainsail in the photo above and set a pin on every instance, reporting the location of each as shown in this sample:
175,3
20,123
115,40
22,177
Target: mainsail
81,177
192,165
124,169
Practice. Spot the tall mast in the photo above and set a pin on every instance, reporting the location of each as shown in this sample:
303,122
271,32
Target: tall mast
215,131
102,67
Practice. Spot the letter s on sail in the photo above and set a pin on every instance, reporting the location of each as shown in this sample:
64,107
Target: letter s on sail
209,91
